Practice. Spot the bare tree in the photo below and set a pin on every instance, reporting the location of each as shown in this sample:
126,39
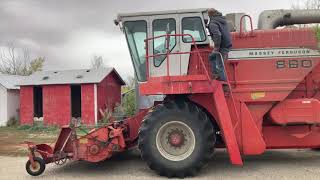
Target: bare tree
312,4
97,62
306,4
16,61
11,60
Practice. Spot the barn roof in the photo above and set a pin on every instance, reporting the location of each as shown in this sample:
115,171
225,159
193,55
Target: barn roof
10,81
80,76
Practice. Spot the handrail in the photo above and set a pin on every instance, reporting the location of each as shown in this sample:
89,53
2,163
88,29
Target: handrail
173,53
201,60
241,26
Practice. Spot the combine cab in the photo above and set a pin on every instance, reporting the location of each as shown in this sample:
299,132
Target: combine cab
270,99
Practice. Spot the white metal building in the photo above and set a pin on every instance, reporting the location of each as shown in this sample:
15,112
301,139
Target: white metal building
9,98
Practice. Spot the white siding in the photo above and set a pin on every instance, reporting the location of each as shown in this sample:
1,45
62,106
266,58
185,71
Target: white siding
13,104
3,106
95,104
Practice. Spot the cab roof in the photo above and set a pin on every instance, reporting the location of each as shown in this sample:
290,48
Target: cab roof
152,13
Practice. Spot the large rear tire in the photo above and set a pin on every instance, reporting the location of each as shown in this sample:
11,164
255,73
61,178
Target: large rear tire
176,139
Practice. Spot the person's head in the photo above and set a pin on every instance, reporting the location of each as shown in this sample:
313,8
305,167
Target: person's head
213,12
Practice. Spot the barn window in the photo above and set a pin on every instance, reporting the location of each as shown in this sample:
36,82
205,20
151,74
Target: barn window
76,101
37,101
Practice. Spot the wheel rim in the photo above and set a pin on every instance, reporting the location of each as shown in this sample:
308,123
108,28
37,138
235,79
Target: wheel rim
36,167
175,141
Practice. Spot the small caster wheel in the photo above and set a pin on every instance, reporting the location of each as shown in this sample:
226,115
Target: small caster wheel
38,168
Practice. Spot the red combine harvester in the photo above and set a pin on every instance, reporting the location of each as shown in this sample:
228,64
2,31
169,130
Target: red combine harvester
271,99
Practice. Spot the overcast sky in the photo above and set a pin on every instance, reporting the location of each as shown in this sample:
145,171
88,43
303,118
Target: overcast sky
70,32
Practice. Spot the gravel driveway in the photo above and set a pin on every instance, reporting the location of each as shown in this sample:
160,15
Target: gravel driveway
275,165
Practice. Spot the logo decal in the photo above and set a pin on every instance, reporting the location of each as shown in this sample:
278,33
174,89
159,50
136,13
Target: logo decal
242,54
257,95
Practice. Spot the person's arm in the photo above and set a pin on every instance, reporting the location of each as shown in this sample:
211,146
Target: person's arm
215,35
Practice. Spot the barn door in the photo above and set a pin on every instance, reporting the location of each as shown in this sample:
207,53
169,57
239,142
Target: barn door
37,102
76,101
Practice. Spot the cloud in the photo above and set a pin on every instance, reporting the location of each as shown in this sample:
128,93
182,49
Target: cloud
83,45
69,33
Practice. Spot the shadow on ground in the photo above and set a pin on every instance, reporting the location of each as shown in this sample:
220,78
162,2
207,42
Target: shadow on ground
274,164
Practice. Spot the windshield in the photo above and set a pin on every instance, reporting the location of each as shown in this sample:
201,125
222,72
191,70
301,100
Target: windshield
136,33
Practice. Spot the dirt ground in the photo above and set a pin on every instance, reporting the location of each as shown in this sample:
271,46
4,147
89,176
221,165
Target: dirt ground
11,140
273,165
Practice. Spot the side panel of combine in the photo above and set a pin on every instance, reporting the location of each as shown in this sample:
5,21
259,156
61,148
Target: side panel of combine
276,88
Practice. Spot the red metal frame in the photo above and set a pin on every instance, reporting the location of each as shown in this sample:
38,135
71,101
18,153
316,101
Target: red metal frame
106,140
200,83
249,133
168,53
183,84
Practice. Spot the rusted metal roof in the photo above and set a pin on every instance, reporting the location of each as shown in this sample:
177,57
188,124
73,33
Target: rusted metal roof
80,76
10,81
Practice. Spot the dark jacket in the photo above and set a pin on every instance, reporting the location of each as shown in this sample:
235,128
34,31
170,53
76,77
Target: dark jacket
219,32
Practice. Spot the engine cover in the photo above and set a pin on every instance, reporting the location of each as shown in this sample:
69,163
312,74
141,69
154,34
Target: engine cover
296,111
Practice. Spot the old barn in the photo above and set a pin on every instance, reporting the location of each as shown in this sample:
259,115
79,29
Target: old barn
55,97
9,98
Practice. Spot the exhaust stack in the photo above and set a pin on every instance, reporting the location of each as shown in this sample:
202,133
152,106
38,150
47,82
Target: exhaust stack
271,19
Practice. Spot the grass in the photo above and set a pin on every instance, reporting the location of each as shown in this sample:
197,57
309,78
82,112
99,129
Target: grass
12,138
317,30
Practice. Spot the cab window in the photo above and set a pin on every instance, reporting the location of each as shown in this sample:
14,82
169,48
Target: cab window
194,27
162,27
136,33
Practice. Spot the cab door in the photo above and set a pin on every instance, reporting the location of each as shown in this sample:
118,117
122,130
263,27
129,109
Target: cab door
192,24
161,25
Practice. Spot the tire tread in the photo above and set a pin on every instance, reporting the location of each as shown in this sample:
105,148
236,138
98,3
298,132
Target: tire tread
205,125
